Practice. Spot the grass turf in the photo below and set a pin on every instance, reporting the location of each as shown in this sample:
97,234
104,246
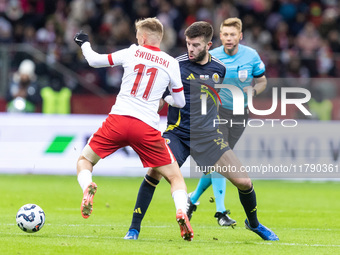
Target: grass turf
305,216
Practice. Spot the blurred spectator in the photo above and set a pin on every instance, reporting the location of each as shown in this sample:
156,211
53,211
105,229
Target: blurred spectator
29,35
223,11
320,107
33,6
5,30
257,38
14,10
170,36
288,11
295,69
273,65
273,21
315,13
35,13
56,98
309,41
334,40
141,9
299,23
3,5
46,35
328,22
325,62
281,38
23,94
206,11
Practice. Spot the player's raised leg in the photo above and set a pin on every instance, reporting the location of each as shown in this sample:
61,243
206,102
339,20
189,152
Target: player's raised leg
246,193
84,172
174,176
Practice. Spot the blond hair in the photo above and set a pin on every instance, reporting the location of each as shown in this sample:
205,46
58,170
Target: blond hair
151,26
232,22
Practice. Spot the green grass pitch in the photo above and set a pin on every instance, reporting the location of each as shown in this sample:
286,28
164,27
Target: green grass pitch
305,216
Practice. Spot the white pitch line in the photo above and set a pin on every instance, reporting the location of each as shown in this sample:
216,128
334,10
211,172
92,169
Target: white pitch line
312,229
167,226
67,225
198,241
66,209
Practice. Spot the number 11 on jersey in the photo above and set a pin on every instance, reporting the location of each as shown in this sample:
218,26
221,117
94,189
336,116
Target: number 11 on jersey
151,72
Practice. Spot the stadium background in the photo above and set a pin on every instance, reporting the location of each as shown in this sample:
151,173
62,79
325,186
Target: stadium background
304,213
299,42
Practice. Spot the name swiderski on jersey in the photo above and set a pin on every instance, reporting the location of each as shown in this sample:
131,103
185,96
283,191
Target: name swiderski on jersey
152,57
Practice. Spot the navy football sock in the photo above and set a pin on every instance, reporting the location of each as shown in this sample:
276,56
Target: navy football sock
248,200
144,198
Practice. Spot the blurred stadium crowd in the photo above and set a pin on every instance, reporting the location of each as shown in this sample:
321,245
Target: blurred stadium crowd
295,38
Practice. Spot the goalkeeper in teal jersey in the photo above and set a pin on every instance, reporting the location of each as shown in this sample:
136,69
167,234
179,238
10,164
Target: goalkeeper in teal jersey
243,65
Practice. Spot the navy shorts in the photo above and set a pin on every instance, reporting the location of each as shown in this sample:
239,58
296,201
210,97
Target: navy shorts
232,133
205,149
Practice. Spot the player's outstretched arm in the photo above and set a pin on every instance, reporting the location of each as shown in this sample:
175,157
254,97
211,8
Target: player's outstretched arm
93,58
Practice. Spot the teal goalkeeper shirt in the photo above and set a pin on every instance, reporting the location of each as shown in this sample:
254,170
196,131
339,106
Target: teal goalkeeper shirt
241,68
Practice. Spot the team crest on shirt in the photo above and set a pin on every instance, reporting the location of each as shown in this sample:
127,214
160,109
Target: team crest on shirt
167,140
204,77
242,75
216,77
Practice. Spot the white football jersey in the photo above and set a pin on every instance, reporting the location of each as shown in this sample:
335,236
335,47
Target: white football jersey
147,73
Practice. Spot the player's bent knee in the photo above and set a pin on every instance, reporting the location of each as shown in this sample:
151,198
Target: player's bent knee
243,183
152,181
154,174
170,172
89,155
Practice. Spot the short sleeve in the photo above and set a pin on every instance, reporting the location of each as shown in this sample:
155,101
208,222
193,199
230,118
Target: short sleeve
258,66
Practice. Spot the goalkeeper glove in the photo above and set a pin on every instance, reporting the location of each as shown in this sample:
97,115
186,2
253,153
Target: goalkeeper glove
81,38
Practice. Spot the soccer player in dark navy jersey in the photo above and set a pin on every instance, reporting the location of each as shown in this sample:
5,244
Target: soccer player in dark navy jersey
244,66
190,132
192,78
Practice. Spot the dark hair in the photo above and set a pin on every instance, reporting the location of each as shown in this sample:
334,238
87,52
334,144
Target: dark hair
200,28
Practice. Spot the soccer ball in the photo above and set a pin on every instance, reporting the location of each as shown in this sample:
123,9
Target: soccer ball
30,218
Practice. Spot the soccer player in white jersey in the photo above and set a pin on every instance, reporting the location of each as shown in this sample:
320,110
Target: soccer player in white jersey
133,120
